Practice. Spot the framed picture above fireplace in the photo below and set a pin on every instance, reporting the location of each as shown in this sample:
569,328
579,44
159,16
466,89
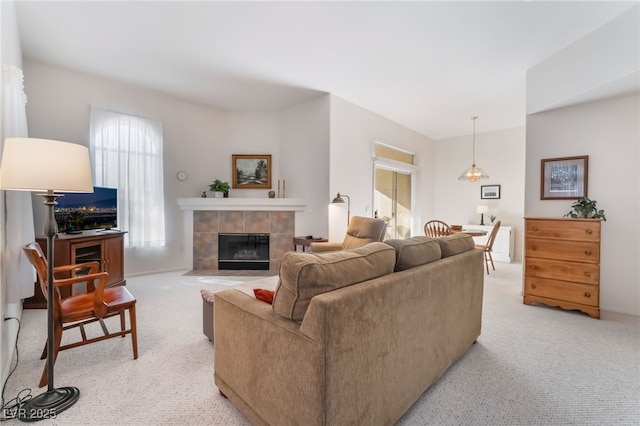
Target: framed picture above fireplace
251,171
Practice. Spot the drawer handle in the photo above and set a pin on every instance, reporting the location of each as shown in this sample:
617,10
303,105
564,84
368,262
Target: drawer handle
587,294
589,231
533,286
534,247
587,252
534,228
587,273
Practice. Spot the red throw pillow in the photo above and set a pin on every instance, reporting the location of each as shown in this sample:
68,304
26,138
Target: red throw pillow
264,295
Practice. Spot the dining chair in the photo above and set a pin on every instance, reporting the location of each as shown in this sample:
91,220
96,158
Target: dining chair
487,248
94,304
436,228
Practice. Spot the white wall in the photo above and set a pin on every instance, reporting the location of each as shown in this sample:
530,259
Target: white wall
604,60
608,132
197,140
501,154
353,132
304,154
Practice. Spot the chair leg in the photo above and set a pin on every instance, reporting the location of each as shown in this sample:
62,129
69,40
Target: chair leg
57,338
486,261
491,258
122,324
134,330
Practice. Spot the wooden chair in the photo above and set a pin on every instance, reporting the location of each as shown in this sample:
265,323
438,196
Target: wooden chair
488,247
98,303
436,228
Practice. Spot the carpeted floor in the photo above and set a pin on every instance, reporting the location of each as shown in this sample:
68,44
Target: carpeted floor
532,365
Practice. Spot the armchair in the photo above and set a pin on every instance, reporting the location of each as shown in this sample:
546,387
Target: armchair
361,231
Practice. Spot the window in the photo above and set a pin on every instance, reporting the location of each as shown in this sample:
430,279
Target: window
126,152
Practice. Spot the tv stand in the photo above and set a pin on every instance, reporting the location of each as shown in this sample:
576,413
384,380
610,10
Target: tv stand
106,248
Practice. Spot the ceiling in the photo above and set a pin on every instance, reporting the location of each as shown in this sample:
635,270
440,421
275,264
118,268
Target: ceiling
429,66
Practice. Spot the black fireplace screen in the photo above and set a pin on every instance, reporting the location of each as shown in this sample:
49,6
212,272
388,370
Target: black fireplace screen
243,251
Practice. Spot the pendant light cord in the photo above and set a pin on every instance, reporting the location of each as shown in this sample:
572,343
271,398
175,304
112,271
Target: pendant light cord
474,141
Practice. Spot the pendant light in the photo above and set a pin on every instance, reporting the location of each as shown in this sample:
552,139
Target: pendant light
473,173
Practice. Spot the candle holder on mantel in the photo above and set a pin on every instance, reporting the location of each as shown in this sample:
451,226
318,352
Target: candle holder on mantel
284,184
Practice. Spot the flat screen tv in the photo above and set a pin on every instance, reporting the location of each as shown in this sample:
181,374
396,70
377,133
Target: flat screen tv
77,212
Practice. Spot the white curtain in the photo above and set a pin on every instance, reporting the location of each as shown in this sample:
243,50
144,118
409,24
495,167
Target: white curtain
126,152
19,226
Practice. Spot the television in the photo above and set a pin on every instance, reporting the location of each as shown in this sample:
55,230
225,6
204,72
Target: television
77,212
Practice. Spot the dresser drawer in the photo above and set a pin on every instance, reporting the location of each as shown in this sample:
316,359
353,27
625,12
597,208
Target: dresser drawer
577,251
587,273
583,294
569,229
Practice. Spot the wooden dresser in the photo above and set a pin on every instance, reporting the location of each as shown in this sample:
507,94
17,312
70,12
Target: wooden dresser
562,263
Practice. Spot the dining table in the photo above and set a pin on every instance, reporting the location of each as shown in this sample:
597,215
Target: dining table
472,232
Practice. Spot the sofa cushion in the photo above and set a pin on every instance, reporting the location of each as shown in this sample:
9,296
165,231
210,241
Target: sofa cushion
305,275
455,243
414,251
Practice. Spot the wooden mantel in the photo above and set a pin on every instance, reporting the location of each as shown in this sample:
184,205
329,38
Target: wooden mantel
189,205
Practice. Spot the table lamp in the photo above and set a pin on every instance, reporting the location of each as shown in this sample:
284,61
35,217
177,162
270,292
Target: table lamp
482,210
46,166
340,200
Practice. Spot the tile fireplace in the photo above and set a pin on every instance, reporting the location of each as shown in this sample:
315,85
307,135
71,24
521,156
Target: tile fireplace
205,219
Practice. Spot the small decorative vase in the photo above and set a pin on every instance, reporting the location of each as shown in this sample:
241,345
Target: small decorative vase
204,194
272,194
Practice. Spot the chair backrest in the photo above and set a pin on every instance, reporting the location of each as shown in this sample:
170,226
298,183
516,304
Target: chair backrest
492,236
436,228
36,257
363,230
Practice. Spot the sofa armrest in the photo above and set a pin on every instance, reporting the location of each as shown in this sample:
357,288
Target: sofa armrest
319,247
264,364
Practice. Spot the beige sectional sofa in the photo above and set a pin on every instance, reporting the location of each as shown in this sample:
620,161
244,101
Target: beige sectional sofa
353,337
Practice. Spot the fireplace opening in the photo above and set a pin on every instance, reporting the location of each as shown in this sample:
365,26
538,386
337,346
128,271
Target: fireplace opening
243,251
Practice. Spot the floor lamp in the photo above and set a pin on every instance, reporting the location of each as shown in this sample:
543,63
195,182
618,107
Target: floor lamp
46,166
340,200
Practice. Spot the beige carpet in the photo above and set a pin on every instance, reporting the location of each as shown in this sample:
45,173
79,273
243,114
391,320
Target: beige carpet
532,365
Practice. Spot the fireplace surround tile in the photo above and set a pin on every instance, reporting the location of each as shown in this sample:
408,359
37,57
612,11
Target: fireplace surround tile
256,222
208,224
205,221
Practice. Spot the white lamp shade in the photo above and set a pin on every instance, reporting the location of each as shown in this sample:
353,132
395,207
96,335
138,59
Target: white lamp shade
30,164
482,209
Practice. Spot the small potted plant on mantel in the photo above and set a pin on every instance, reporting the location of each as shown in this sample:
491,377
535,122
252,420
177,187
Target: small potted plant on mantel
586,208
219,188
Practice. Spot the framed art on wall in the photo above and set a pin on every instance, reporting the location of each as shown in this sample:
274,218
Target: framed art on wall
490,192
564,178
251,171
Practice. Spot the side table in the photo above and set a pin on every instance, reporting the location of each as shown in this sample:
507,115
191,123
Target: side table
305,242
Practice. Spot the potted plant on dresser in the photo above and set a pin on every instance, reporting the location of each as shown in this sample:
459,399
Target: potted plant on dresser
219,188
585,208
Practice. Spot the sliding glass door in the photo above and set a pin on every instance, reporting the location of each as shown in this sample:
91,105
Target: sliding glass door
392,201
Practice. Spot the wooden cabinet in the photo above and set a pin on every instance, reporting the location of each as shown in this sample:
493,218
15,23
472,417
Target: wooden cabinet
503,246
104,247
562,263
